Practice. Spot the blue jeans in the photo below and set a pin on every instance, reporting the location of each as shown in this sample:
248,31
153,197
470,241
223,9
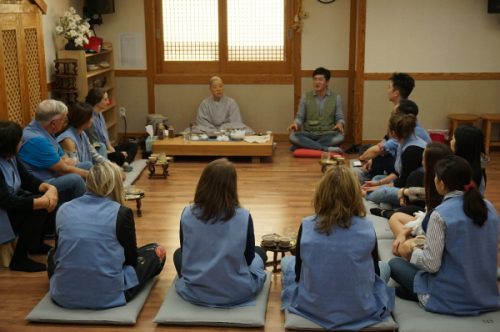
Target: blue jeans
384,194
68,186
385,271
403,272
102,150
86,165
308,140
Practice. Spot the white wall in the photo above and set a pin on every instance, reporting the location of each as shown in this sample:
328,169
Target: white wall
445,36
325,36
128,18
431,36
401,35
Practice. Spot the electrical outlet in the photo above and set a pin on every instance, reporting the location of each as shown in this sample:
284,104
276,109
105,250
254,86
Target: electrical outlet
123,112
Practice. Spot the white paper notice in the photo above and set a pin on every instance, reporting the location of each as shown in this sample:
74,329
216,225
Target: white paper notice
132,50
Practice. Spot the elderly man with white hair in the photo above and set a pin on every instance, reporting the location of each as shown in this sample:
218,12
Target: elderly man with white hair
219,112
42,155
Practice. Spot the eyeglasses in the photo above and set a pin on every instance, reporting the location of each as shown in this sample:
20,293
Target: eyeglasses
62,117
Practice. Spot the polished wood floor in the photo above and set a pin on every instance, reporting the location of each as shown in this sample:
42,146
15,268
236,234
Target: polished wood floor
278,193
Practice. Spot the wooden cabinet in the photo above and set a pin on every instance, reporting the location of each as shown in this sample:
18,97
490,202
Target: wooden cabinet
96,70
23,82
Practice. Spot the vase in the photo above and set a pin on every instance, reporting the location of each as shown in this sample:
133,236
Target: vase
71,46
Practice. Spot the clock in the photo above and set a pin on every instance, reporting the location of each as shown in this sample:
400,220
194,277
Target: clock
326,1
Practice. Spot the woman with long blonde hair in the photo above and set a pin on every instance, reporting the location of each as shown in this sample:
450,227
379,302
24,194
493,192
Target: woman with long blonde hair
96,261
333,278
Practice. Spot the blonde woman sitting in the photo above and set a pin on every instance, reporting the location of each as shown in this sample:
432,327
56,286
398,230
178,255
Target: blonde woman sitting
96,263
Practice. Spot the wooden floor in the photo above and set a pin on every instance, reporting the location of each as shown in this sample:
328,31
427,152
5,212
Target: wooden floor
278,193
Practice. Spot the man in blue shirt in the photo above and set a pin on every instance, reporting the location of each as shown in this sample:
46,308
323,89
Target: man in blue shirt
43,156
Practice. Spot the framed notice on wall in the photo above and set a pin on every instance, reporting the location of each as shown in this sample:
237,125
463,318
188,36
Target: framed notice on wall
132,48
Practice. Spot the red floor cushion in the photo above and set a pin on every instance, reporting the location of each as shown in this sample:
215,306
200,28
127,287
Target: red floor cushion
309,153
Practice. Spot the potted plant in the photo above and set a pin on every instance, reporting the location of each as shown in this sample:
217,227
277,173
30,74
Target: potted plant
75,29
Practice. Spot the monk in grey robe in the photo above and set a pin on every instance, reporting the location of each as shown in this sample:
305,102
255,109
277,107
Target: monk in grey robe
218,112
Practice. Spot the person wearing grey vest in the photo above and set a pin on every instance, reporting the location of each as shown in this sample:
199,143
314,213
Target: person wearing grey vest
218,263
333,279
26,203
456,271
319,123
96,263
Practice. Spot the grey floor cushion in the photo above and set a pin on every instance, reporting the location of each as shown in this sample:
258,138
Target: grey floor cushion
381,225
385,249
413,318
296,322
176,311
47,311
137,168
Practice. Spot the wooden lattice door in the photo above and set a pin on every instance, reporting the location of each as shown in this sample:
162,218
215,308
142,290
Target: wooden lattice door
22,60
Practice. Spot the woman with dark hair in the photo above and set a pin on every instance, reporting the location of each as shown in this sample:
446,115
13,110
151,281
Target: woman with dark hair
432,154
468,143
74,140
217,262
96,263
456,271
25,202
122,154
333,280
384,189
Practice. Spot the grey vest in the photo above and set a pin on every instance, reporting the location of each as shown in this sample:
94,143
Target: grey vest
316,123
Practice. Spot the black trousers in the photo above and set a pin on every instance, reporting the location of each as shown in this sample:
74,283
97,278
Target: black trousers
118,158
382,165
29,226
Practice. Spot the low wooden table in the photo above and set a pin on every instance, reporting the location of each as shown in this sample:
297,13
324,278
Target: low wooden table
178,147
152,169
137,198
276,260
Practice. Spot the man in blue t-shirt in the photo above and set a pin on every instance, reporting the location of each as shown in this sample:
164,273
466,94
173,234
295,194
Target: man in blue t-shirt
43,156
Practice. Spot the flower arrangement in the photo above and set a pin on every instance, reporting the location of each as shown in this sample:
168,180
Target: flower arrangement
72,27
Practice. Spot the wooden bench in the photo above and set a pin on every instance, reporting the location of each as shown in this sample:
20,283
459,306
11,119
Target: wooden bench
457,119
489,119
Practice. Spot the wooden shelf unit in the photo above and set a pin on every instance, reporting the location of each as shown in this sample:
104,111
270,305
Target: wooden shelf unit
100,77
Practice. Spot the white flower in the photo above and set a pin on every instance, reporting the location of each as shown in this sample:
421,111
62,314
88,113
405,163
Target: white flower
72,26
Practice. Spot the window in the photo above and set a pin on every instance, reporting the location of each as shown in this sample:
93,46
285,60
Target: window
196,38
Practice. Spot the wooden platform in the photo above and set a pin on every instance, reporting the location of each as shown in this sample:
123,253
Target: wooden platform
178,147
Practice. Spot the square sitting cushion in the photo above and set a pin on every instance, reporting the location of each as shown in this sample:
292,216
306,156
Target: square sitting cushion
385,249
137,167
47,311
309,153
381,226
412,318
176,311
296,322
